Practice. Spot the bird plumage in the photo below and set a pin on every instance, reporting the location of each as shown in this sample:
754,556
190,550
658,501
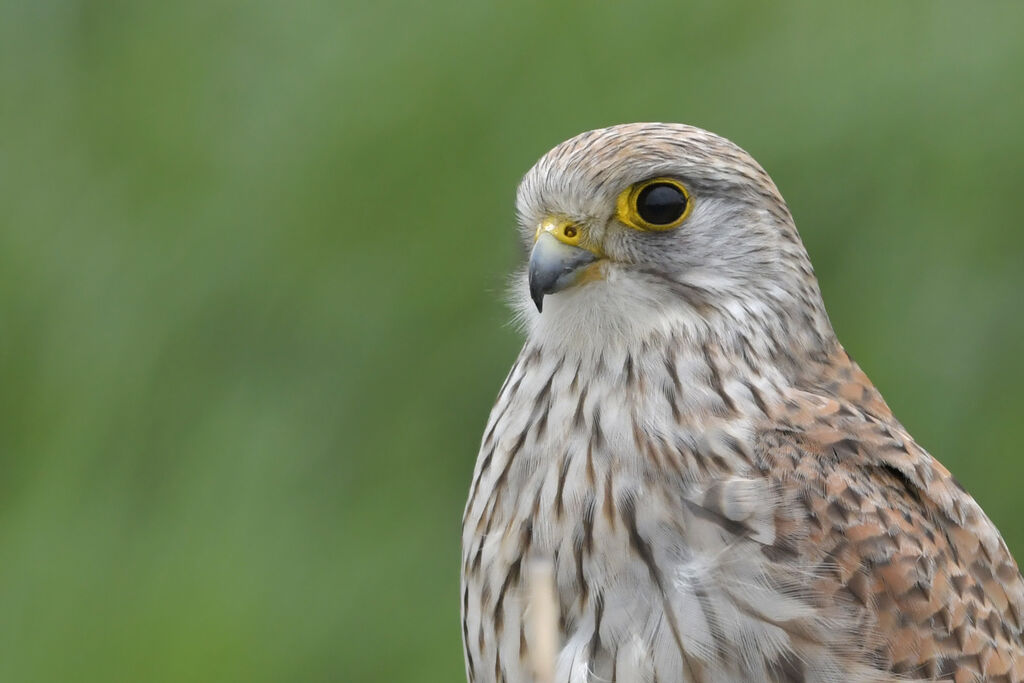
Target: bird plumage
720,491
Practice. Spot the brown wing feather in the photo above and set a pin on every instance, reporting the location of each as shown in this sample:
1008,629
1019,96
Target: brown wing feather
892,530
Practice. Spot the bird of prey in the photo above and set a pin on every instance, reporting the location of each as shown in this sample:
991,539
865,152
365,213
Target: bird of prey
717,491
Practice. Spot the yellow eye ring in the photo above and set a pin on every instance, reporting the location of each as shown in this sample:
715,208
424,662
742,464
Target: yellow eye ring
657,204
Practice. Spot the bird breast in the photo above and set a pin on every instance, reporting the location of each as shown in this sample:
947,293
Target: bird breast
608,467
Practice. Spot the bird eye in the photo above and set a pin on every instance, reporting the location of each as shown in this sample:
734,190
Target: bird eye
657,204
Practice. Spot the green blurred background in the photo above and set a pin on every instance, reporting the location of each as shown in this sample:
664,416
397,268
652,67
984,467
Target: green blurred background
252,261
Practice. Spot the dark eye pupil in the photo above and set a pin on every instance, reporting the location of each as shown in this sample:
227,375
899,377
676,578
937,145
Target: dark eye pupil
660,203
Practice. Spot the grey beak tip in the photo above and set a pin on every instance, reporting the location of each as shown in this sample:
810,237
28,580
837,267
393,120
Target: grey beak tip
537,294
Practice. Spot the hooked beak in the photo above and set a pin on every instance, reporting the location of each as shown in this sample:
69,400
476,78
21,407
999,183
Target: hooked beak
554,266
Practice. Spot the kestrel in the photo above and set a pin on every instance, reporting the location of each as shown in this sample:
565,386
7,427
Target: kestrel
715,489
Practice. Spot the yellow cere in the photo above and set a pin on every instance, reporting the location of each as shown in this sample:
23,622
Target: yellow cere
626,205
564,231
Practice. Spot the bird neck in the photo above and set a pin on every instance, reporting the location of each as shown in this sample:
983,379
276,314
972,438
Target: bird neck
745,342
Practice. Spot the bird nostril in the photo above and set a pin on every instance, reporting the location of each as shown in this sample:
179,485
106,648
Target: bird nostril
569,231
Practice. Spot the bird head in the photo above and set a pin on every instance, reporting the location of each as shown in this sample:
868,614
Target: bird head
659,225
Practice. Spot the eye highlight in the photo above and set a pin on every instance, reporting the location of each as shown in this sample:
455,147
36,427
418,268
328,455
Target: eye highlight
655,204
